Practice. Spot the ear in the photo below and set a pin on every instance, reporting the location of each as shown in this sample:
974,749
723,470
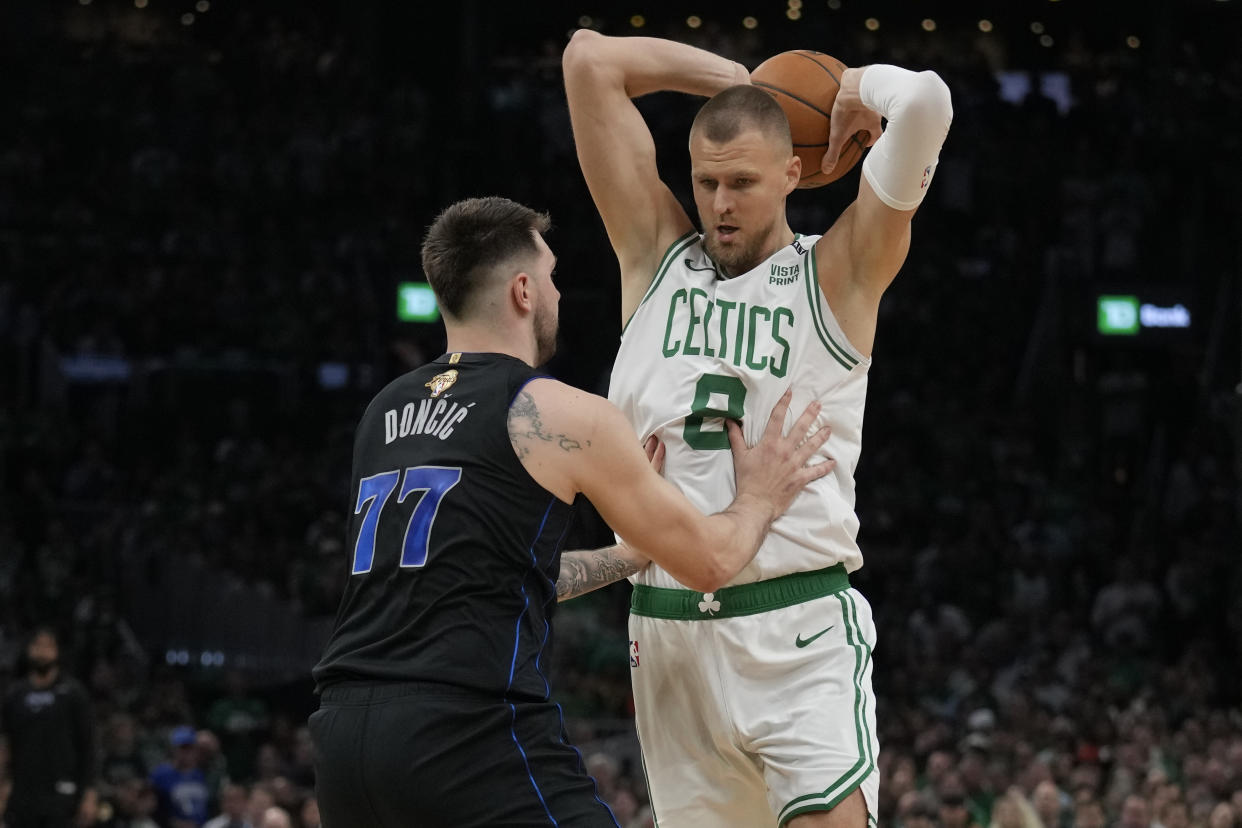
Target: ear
522,291
793,173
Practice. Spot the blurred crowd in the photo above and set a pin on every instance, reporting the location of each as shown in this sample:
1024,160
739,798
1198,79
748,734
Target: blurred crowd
192,226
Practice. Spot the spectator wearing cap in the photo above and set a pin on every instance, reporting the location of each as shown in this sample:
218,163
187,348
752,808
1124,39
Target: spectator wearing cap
180,783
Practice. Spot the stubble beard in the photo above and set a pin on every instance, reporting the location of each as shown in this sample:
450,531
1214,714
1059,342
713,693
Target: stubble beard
545,337
735,258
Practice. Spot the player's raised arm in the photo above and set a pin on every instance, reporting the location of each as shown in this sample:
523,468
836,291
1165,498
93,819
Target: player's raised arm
615,147
571,442
873,235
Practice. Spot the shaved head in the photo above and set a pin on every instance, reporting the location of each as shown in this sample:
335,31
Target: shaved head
739,108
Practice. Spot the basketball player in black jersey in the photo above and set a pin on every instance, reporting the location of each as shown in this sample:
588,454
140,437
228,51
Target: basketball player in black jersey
435,707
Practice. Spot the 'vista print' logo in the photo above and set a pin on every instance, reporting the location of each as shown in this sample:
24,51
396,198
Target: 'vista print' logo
783,274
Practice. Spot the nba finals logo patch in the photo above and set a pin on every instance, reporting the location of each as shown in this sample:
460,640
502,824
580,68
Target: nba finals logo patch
442,382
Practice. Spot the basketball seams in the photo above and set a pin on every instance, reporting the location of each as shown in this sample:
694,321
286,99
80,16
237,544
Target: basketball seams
808,108
770,89
805,54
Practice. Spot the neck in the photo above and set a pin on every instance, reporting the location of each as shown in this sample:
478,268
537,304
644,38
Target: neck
779,237
475,338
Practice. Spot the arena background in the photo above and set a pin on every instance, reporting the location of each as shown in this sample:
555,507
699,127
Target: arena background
207,210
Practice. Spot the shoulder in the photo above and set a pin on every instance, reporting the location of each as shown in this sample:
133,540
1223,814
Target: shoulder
550,402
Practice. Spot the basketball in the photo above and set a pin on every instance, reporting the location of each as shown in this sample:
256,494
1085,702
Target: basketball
805,84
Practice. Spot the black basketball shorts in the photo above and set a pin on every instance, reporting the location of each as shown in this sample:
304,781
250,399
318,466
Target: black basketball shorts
423,755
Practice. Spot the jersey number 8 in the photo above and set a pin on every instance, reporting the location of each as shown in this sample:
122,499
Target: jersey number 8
733,390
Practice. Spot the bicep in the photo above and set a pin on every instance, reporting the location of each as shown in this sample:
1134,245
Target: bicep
871,239
609,466
618,159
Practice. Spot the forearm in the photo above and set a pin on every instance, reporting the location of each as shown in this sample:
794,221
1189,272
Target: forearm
919,110
642,65
588,569
742,526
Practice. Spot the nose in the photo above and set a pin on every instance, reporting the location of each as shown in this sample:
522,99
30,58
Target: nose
722,201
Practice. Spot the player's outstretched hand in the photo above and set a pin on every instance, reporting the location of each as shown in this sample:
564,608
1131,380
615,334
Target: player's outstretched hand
775,469
849,115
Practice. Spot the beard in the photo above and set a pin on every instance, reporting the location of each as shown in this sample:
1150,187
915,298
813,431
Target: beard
545,335
737,257
43,666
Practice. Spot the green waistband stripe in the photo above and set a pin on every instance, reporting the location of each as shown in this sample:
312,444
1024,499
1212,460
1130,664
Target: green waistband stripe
744,599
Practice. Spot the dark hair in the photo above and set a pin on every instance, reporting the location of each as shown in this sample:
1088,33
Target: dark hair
471,237
738,108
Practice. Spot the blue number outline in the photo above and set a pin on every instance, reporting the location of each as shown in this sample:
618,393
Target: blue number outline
369,491
436,481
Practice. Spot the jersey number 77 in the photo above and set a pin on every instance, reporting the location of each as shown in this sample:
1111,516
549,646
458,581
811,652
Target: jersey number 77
373,495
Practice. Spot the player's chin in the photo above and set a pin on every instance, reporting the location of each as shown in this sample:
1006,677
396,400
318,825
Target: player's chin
719,248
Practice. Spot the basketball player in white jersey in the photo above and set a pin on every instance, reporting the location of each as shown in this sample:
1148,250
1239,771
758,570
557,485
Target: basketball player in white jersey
754,703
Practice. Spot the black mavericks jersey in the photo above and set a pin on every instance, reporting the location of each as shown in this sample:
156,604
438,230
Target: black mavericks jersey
455,548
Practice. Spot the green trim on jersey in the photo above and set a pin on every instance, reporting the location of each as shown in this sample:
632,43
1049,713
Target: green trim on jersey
813,295
832,796
744,599
666,261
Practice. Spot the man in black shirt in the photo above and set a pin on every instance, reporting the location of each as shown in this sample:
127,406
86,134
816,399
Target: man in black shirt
47,719
436,706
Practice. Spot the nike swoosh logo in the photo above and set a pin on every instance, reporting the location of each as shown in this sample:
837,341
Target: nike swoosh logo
802,642
690,264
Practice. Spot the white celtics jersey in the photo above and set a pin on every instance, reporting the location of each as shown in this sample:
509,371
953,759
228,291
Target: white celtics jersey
700,348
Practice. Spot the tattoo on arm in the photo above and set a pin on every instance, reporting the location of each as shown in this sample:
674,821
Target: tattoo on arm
591,569
526,427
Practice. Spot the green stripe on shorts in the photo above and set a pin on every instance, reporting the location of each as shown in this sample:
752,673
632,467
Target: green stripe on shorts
744,599
831,796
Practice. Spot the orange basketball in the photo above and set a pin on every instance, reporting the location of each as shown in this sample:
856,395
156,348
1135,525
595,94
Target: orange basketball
805,84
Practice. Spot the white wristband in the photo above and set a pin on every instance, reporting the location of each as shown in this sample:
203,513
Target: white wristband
919,110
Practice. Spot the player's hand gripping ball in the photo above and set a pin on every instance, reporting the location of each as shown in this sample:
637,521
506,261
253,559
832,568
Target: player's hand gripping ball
805,84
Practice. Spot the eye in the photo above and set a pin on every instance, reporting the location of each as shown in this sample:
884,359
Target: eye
707,183
744,182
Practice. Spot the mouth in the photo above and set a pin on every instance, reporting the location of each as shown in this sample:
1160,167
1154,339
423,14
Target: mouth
726,232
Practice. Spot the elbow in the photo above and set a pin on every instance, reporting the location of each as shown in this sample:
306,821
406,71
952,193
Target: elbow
715,570
707,571
931,101
581,52
705,579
